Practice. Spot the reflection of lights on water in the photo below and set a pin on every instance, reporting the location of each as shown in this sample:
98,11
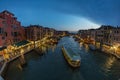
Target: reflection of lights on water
86,47
47,47
108,64
53,48
43,49
81,44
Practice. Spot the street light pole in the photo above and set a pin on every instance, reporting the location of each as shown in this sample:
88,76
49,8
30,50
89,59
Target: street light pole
34,42
114,50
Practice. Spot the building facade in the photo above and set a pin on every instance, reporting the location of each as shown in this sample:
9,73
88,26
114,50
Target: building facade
2,34
106,38
108,35
10,28
116,35
34,32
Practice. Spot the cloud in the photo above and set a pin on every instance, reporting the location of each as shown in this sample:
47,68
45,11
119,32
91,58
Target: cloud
69,13
99,11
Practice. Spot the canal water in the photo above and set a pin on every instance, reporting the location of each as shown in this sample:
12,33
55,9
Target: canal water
52,65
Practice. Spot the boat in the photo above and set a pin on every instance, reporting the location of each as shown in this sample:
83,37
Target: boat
55,41
72,58
92,47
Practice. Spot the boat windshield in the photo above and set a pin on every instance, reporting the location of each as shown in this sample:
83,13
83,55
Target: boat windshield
71,53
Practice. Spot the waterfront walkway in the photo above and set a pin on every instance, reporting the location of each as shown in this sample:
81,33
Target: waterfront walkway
19,51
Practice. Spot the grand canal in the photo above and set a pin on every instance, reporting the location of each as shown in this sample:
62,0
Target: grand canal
52,65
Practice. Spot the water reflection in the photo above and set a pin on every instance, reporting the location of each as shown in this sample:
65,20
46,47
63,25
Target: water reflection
109,62
81,45
44,49
52,65
86,47
53,48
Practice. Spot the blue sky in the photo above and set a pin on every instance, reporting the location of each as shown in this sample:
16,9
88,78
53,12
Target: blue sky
69,15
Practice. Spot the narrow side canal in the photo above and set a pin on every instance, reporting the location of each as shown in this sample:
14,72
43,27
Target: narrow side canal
52,65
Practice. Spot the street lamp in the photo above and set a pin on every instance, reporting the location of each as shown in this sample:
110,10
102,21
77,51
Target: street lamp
115,49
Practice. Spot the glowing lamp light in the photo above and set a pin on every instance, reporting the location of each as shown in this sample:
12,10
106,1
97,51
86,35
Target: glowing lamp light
114,47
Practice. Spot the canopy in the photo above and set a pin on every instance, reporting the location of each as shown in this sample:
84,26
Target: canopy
2,48
21,43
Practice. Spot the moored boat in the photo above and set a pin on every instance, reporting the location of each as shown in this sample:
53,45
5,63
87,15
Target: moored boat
72,58
92,47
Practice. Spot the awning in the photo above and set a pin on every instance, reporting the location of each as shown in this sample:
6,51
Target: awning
108,44
21,43
2,48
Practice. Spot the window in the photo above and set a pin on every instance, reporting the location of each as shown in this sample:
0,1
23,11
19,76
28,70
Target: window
15,27
114,38
18,39
6,34
12,33
1,30
117,31
15,34
110,36
3,38
3,22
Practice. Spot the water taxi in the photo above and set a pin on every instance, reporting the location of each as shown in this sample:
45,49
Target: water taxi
92,47
72,58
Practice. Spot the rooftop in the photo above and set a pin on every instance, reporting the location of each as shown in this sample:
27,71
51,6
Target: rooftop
6,11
